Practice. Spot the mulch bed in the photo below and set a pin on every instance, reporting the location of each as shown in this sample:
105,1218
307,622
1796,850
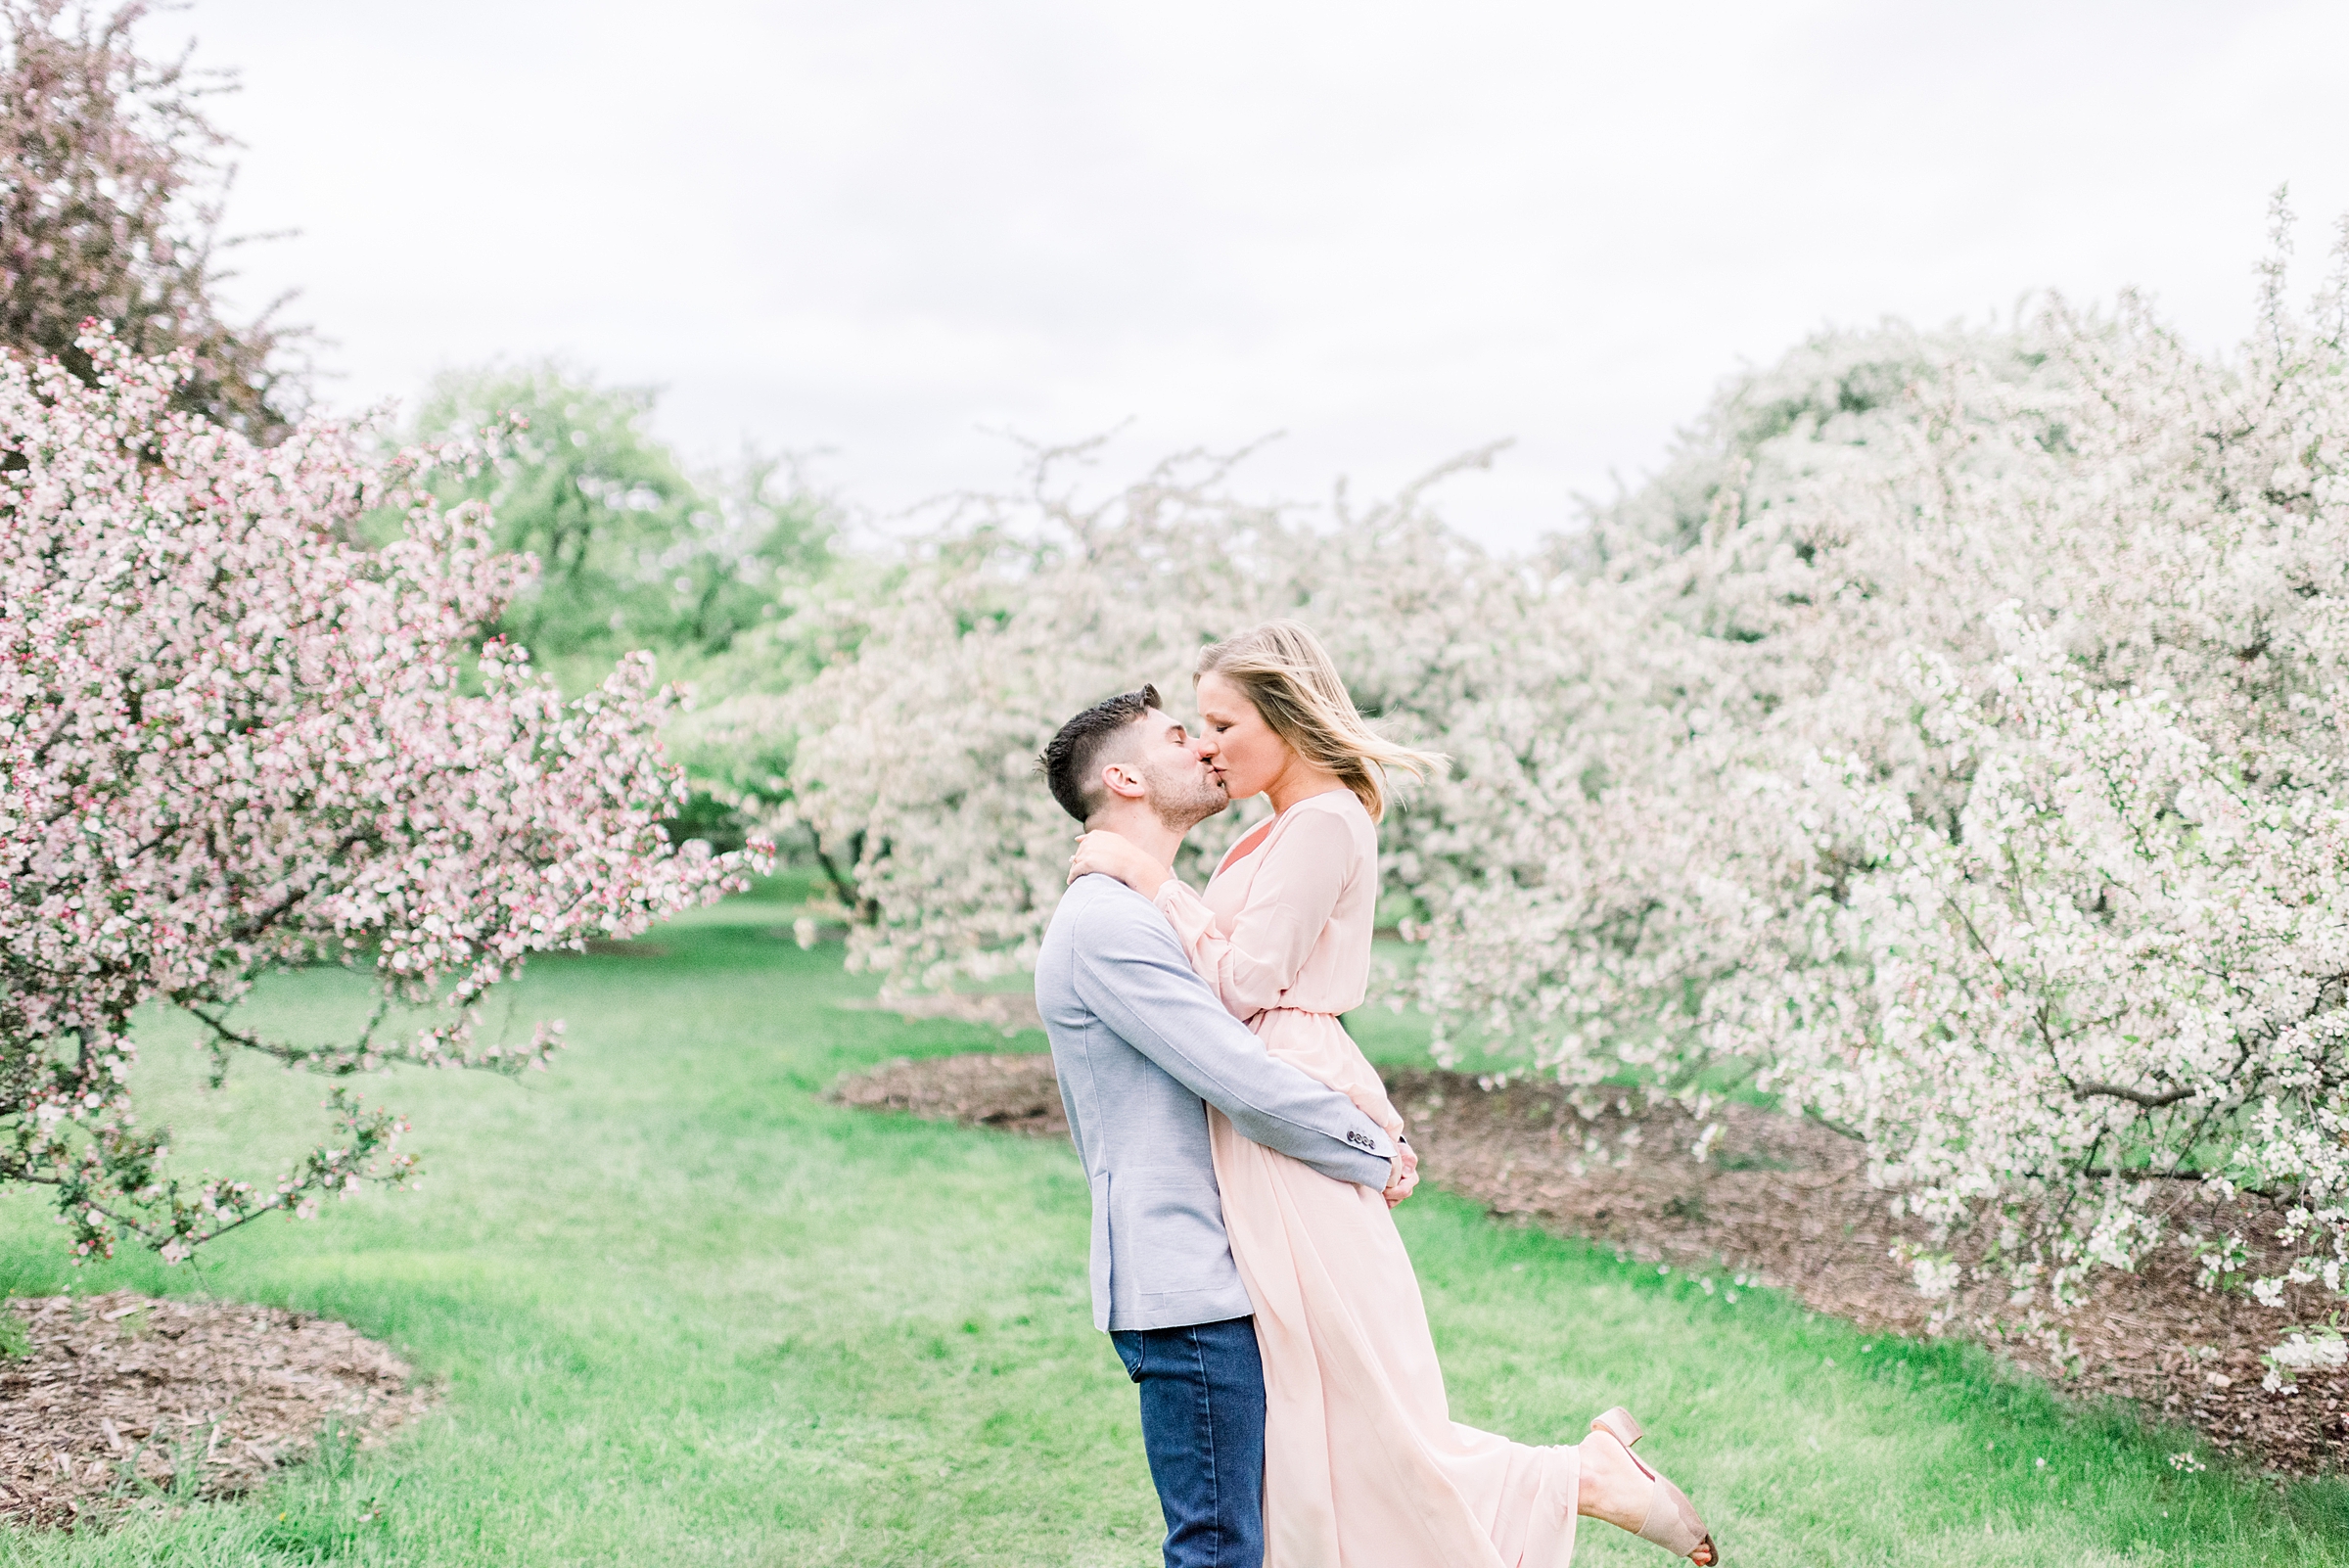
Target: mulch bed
126,1401
1785,1203
1010,1093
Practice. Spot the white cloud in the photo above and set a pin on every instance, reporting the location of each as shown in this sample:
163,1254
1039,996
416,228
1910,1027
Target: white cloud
1394,231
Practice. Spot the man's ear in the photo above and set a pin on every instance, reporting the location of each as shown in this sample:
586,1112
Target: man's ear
1123,781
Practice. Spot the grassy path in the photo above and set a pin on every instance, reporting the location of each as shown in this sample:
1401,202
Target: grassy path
688,1313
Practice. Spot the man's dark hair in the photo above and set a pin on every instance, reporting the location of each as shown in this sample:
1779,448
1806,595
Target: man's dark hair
1072,764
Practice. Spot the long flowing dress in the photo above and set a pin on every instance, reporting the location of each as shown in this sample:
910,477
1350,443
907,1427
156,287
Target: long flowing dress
1363,1465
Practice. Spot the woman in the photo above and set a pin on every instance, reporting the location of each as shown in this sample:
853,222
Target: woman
1364,1464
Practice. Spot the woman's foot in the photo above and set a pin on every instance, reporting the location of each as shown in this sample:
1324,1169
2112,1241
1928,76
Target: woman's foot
1617,1489
1614,1489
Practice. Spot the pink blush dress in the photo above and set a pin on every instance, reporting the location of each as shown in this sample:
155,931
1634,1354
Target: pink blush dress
1363,1465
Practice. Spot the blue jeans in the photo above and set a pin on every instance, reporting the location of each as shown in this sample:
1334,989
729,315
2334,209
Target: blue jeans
1203,1426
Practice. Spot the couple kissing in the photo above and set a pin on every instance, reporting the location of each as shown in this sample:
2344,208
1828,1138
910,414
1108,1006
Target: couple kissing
1244,1158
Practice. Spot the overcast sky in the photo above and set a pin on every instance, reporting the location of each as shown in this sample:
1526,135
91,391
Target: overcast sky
1391,231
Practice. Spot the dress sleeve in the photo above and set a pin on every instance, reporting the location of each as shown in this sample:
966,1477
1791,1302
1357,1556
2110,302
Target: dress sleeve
1253,965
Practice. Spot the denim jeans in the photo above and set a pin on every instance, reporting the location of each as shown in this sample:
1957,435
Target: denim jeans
1203,1426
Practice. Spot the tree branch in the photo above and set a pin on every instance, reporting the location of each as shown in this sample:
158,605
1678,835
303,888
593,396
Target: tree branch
2152,1102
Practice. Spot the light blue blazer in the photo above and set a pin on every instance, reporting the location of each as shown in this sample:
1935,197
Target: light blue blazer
1142,1048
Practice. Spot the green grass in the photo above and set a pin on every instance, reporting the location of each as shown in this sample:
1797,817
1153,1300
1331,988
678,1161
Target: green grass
688,1313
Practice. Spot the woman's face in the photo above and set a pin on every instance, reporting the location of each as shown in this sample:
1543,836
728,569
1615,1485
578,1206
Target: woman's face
1235,740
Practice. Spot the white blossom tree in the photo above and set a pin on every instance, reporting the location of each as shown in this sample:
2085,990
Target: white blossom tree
1948,742
916,745
1804,837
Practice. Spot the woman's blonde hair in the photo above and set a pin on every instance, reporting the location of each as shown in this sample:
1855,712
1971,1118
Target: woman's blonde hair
1282,669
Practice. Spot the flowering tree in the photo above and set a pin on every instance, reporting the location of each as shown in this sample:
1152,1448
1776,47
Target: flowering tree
1630,831
111,189
230,741
2116,979
916,742
1948,742
2025,896
710,572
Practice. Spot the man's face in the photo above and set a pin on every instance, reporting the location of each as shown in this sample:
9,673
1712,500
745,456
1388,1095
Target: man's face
1178,784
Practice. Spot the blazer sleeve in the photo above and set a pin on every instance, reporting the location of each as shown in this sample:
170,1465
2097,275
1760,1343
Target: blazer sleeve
1253,965
1132,974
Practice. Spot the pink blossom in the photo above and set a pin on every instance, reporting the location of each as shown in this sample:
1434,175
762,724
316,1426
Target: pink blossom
230,740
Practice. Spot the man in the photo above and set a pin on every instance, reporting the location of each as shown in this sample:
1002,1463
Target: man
1141,1046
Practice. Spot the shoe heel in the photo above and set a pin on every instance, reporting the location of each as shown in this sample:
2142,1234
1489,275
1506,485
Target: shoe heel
1671,1521
1619,1425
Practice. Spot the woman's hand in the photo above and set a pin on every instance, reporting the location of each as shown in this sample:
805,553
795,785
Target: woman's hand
1114,854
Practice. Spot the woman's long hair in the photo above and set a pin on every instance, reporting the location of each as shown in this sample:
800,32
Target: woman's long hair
1282,669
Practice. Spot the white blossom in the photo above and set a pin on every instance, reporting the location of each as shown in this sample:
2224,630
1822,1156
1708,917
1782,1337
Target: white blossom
1950,743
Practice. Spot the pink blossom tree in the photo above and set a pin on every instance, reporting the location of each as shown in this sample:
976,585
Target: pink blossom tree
113,179
231,741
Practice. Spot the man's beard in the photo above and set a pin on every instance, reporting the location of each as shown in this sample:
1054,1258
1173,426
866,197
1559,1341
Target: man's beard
1182,801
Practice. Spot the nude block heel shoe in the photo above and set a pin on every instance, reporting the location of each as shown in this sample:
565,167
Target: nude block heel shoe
1672,1520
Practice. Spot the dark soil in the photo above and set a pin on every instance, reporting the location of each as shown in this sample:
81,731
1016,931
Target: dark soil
1011,1093
1785,1203
123,1400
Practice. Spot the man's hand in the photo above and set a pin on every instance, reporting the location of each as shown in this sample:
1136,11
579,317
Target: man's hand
1403,1173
